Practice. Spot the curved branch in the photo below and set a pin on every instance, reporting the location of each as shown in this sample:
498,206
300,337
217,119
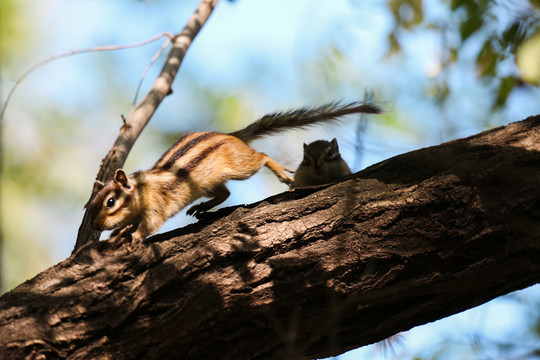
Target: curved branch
138,119
308,273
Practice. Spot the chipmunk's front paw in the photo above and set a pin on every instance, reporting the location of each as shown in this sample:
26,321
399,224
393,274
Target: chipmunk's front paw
123,233
197,210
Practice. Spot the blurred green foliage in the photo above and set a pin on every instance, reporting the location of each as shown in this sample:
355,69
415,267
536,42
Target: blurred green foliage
12,30
509,30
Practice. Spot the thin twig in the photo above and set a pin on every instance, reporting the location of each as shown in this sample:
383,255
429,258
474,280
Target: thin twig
152,61
76,52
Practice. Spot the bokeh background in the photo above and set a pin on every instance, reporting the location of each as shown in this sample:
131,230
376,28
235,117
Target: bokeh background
442,69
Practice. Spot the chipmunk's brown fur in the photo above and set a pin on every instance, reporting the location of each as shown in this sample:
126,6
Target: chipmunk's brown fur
198,165
322,164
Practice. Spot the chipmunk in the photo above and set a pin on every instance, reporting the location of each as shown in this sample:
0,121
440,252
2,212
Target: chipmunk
198,165
322,164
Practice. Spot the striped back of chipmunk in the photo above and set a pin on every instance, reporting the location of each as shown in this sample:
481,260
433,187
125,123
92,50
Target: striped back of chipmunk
189,151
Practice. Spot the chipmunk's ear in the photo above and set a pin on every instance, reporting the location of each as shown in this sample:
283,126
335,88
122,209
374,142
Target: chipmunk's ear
305,146
121,178
334,144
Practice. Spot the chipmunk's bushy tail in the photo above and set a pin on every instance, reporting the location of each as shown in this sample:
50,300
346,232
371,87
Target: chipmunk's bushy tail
272,124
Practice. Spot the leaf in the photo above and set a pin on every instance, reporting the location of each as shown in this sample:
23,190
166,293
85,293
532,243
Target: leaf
395,46
456,4
453,55
505,88
514,35
442,93
470,25
527,59
407,13
486,61
510,33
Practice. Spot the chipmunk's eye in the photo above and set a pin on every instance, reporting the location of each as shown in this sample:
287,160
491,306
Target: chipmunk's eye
110,202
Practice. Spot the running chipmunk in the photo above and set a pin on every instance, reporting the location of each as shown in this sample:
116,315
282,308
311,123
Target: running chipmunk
198,165
322,164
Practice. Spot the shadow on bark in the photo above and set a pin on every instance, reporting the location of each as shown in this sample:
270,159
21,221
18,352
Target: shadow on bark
309,273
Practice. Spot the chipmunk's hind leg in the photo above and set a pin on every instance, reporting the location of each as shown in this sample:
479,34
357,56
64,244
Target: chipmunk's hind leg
244,162
279,170
220,193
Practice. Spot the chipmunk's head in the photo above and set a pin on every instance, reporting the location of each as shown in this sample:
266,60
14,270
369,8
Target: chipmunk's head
321,152
113,205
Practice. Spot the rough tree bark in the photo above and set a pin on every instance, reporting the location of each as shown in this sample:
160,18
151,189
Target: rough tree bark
307,273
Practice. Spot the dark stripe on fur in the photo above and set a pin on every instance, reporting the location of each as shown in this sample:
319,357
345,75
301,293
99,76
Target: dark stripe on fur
183,173
203,155
184,149
169,150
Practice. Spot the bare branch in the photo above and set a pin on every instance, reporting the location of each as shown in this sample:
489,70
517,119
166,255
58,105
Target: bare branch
144,111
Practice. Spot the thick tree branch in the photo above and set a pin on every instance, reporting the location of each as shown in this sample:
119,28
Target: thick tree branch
308,273
143,112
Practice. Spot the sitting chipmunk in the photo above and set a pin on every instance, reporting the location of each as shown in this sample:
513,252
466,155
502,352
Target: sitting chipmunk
322,164
198,165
